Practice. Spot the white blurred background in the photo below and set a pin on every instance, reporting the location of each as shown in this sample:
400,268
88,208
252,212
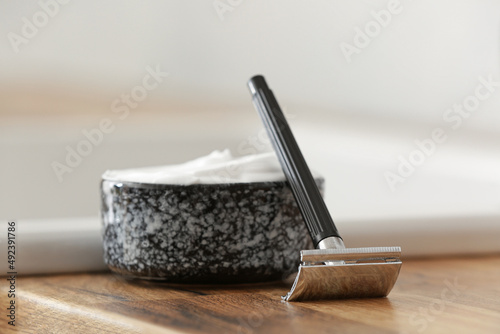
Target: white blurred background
352,117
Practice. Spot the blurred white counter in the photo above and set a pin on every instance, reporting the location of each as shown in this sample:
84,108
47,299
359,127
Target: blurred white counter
450,205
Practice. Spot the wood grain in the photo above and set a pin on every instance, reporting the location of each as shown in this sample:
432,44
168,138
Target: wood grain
447,295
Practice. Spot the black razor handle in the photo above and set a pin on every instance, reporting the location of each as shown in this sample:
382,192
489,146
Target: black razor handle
304,188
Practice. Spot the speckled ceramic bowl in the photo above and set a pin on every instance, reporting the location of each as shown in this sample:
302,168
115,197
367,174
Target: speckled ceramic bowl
202,233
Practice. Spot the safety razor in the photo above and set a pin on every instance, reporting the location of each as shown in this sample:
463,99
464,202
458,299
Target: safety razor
330,271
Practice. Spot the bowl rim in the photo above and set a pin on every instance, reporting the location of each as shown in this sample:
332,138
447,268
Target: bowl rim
145,185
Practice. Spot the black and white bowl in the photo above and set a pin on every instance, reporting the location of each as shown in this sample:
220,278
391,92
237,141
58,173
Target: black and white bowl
202,233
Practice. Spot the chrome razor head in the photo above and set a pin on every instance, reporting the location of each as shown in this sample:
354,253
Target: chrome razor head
345,273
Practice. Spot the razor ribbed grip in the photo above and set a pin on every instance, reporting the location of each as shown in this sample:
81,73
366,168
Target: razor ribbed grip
304,188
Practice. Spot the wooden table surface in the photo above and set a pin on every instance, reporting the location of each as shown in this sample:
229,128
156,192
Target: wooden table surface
445,295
